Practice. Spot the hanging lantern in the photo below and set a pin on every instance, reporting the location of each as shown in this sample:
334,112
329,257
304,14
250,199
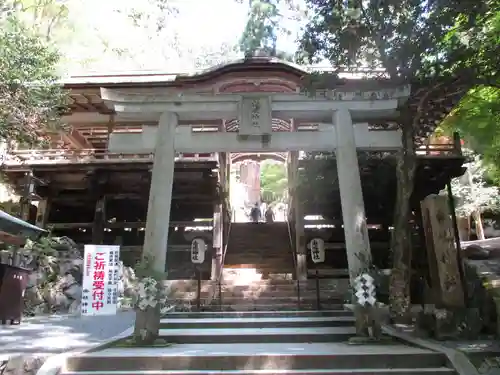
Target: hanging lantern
317,246
198,248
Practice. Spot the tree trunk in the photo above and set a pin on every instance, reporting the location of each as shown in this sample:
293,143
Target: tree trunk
478,221
147,325
401,247
476,214
463,224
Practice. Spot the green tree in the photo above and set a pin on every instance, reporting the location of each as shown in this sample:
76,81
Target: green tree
47,18
473,195
265,24
30,96
261,29
273,181
405,38
472,43
477,119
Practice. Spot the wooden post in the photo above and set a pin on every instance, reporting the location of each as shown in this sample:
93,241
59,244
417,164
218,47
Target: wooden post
25,201
217,242
99,221
300,237
42,213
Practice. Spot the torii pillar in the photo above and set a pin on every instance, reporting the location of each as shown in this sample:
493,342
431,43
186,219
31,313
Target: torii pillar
160,193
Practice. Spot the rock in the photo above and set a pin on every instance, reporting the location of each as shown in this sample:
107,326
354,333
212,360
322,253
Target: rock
475,252
55,298
33,297
65,282
74,292
35,278
73,267
75,307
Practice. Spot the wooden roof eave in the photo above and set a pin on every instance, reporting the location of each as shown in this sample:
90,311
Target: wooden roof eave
16,227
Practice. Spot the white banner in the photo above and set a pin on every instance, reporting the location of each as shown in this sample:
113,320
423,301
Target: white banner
100,279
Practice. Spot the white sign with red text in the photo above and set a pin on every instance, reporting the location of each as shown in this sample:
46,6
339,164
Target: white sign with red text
100,280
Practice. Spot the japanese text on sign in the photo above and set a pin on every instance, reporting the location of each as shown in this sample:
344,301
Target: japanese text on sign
100,282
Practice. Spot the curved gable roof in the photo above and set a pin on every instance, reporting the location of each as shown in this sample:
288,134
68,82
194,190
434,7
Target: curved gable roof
266,65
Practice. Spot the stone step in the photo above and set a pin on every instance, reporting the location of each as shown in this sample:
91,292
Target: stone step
285,290
282,294
373,371
307,287
203,323
265,356
279,300
242,307
281,264
262,265
259,314
264,296
241,293
252,335
188,288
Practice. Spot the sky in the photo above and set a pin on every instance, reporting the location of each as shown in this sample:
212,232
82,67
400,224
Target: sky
102,29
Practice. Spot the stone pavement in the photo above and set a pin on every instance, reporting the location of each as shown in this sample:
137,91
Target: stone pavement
60,333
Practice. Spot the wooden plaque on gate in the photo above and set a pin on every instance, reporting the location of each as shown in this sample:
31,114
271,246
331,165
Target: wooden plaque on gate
255,115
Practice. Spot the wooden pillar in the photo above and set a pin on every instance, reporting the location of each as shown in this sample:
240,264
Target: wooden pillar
229,208
99,221
351,196
25,200
218,217
217,244
160,193
300,237
463,224
42,213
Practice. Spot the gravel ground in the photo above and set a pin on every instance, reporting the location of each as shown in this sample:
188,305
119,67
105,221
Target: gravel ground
61,333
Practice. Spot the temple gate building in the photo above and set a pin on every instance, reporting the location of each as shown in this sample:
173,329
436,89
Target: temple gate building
147,159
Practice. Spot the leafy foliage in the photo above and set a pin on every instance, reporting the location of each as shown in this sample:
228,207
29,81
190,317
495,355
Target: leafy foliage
402,37
260,30
273,181
472,43
264,24
30,97
156,13
45,17
476,118
471,191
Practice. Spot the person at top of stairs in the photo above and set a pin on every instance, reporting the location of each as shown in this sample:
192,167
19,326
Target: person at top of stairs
269,215
255,213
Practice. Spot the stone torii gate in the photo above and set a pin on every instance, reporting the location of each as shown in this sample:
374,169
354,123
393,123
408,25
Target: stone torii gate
342,114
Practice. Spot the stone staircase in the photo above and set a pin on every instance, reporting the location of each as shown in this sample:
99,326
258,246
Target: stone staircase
283,295
261,295
264,246
298,343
